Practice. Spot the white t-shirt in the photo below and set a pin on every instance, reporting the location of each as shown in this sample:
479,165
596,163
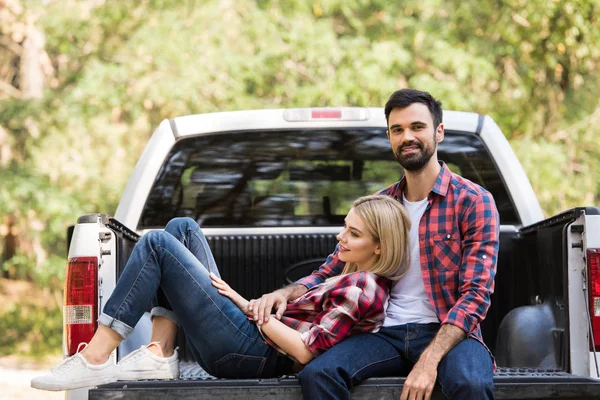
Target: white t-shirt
408,301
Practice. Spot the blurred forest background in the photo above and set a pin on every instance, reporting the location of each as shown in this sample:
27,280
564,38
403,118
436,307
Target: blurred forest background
84,83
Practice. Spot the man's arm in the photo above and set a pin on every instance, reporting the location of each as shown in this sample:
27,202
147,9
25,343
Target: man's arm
261,308
480,231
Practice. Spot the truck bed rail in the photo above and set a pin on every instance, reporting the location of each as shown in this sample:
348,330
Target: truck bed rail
509,383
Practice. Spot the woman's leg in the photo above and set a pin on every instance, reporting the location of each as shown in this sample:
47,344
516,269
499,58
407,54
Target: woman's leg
224,341
164,320
164,332
188,232
164,328
98,350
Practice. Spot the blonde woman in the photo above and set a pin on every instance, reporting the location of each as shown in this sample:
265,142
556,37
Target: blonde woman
224,340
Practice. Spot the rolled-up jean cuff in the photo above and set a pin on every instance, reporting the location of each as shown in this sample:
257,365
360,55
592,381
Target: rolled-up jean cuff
121,328
163,312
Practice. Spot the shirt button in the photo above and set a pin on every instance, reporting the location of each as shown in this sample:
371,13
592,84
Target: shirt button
484,256
448,236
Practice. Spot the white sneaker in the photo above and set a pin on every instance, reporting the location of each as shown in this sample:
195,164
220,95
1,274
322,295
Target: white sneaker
76,372
143,364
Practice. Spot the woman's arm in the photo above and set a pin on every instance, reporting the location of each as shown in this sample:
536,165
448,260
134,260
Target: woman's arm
288,339
227,291
285,337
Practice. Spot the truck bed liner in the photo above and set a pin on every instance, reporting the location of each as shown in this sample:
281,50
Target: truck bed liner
510,383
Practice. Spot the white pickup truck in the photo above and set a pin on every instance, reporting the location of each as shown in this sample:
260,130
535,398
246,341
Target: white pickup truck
271,188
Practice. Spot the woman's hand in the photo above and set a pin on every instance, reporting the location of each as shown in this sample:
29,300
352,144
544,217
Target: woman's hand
226,290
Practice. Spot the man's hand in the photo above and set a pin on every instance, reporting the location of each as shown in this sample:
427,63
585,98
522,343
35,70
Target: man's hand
421,380
261,308
419,383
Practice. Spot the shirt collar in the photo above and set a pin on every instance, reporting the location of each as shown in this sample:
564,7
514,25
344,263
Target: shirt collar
442,183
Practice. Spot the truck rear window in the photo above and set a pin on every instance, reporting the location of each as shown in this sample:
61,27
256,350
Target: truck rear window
295,177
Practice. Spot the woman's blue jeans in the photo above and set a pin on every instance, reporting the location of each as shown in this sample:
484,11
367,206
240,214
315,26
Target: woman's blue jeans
170,270
465,373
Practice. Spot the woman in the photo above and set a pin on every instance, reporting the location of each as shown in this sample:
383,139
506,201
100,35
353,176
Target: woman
175,270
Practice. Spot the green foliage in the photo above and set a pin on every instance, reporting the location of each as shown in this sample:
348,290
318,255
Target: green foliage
119,68
31,330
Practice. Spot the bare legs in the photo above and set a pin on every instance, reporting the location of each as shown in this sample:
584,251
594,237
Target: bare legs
163,332
98,350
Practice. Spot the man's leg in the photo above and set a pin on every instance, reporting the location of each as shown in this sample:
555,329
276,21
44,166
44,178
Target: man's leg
334,373
467,372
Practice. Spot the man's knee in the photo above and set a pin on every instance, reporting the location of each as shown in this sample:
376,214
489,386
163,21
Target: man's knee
476,387
323,381
312,372
467,372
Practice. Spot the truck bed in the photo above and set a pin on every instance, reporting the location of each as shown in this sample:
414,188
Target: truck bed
256,264
510,383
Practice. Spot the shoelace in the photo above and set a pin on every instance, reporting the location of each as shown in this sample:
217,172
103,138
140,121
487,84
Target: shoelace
69,362
65,365
137,354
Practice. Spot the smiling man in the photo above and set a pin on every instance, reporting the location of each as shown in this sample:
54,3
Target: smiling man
431,331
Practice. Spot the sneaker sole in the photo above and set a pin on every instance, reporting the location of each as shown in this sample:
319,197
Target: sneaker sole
55,387
144,375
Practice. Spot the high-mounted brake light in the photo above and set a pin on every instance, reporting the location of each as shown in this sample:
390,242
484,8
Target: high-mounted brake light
326,114
593,264
320,114
81,302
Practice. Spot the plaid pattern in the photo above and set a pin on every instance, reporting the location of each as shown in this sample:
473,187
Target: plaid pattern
328,312
459,240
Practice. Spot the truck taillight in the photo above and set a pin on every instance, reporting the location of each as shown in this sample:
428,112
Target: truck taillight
81,302
320,114
593,264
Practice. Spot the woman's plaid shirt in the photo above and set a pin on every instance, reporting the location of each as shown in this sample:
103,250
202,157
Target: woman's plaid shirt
458,238
337,308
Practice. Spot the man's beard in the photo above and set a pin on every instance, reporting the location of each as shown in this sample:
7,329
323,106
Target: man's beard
414,162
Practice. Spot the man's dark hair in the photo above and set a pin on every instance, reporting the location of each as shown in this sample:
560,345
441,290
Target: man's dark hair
405,97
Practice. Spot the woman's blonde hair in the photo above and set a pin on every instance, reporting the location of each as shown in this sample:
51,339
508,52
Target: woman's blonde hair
389,225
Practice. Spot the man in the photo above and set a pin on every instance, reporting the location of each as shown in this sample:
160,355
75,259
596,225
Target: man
431,330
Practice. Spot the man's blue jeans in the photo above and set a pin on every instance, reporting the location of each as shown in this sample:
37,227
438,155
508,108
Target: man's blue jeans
170,270
466,372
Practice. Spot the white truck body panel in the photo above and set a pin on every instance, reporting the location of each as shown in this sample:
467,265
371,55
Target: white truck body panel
579,341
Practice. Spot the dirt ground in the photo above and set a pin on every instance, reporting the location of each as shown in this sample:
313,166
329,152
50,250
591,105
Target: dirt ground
16,371
16,374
